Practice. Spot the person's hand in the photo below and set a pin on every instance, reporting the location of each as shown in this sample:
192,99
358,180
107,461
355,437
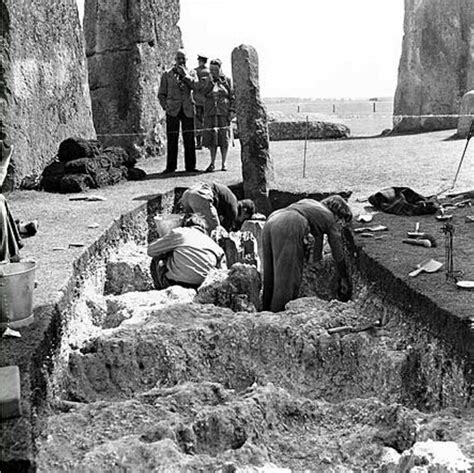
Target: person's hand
181,70
345,290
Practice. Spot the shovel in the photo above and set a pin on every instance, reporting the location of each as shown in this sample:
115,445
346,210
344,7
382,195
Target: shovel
428,266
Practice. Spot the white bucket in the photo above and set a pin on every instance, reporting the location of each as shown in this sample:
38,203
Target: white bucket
166,222
17,282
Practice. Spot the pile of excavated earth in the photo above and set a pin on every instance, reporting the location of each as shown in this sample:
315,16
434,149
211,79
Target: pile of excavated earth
185,380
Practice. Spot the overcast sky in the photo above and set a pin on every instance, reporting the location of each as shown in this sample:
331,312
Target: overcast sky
307,48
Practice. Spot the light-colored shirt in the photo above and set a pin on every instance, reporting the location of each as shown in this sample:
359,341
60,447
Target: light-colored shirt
193,254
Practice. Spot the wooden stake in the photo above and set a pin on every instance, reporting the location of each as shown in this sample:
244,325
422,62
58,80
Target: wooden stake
305,147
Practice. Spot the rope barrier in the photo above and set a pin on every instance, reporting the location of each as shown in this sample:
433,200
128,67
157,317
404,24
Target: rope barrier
229,127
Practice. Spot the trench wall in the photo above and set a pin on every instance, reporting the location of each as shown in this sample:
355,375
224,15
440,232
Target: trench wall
59,325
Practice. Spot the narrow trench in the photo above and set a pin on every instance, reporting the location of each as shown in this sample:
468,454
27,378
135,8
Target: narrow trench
184,386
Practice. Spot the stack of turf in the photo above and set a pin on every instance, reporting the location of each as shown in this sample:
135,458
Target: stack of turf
83,164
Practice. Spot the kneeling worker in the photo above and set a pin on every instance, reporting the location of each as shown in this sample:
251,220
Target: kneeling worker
185,256
218,205
284,247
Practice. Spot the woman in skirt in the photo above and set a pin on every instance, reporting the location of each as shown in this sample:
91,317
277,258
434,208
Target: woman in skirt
218,112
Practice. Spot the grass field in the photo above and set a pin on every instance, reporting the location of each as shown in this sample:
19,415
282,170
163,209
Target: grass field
358,115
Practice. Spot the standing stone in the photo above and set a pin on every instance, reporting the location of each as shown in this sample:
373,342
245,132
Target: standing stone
437,63
129,45
467,114
44,90
257,167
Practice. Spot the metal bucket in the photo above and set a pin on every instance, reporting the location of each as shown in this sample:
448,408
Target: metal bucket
17,282
166,222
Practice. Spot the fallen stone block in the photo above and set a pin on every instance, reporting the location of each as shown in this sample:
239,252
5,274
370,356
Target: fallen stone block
128,270
311,130
237,288
431,456
133,307
10,393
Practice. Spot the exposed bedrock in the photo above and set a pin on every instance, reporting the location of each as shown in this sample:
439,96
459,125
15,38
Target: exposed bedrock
207,427
437,64
129,45
197,387
44,89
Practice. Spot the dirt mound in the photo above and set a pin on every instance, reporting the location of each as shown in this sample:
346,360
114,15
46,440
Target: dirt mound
196,426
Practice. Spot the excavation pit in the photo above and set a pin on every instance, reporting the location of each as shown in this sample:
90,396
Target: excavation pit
179,385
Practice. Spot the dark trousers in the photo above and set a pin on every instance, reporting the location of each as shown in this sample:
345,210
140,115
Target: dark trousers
172,131
199,124
10,241
283,258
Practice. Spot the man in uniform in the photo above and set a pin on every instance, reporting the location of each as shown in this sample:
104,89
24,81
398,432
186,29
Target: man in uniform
176,98
202,73
284,247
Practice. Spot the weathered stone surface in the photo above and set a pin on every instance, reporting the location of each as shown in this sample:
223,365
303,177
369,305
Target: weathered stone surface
134,307
207,427
257,166
239,247
437,63
300,130
388,460
467,114
237,288
439,457
255,227
128,270
44,90
129,45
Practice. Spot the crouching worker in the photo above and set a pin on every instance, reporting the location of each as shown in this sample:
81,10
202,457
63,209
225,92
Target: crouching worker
185,255
218,205
284,247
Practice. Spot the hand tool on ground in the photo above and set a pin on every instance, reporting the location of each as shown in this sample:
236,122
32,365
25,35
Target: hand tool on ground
428,241
428,266
352,329
376,228
466,285
416,233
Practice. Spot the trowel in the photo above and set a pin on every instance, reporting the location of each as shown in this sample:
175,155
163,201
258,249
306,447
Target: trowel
376,228
428,266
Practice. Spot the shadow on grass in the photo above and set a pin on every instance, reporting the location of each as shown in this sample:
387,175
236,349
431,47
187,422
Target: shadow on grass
170,175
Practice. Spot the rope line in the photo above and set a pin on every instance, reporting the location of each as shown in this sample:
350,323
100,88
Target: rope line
375,115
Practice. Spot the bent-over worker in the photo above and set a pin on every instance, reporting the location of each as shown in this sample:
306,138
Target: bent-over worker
284,247
218,205
185,256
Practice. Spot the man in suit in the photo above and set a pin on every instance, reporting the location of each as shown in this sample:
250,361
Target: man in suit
202,73
176,98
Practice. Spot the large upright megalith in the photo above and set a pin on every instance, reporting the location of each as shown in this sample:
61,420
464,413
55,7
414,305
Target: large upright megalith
257,167
44,91
129,44
437,64
466,118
